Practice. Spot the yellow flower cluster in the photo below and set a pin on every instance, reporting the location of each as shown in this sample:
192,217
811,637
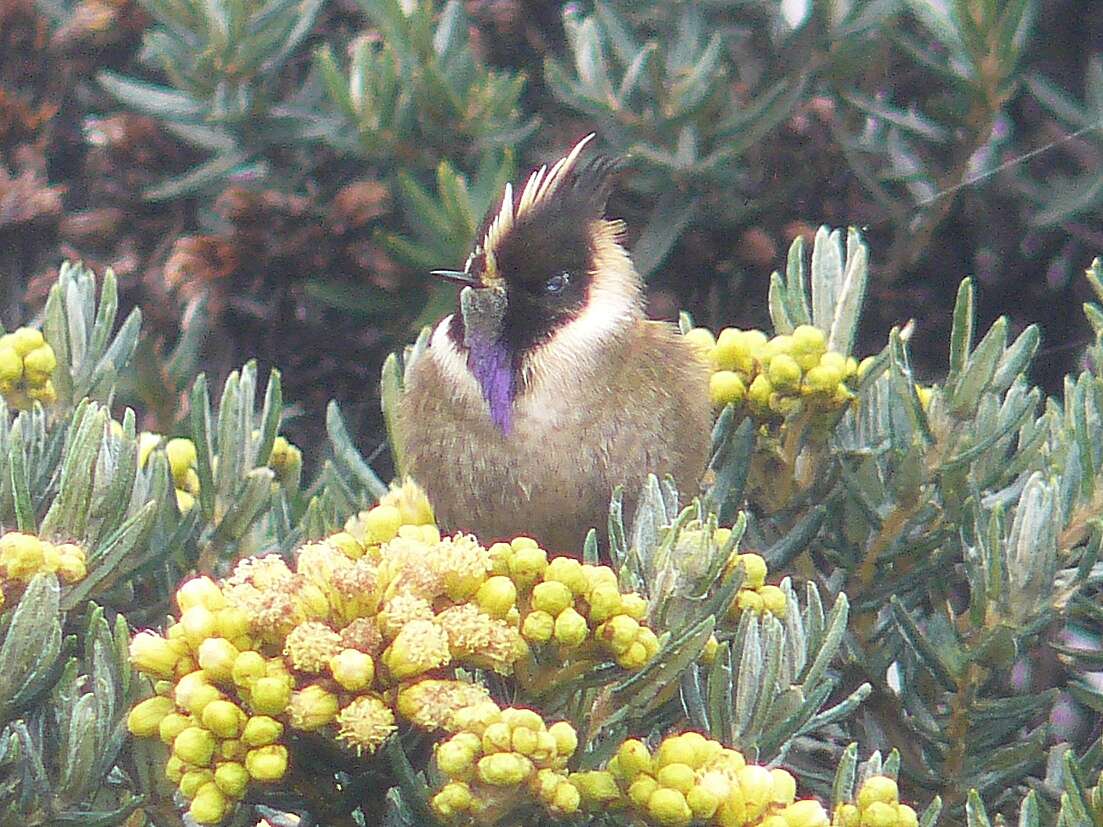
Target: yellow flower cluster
221,705
878,805
693,779
181,455
500,758
335,644
775,377
563,603
22,556
26,364
755,595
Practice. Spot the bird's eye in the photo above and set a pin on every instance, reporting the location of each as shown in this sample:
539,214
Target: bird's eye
557,283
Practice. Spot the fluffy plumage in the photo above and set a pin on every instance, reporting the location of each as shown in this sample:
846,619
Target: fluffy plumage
548,387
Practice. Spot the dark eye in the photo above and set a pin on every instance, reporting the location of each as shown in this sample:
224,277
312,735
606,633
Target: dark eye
557,283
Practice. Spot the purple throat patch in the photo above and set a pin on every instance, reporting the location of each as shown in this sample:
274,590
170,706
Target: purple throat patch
491,363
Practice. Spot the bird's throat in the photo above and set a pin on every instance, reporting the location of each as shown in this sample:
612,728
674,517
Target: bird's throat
491,363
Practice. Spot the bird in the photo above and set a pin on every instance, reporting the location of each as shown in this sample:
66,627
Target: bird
548,387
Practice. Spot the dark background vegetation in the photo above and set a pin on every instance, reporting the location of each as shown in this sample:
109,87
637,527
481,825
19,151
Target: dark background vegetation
252,203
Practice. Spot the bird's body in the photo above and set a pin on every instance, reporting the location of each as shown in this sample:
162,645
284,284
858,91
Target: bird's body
529,408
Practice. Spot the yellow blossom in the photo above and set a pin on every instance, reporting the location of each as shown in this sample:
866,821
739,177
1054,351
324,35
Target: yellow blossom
312,708
310,646
267,763
477,638
419,646
366,723
433,703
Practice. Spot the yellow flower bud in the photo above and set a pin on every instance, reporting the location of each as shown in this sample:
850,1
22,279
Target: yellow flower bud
496,596
784,373
71,566
185,502
476,718
726,387
634,758
708,654
196,700
217,657
878,788
174,769
569,572
209,806
260,731
566,799
527,565
248,666
504,769
701,340
773,600
21,555
455,759
381,523
783,787
231,623
749,601
669,808
758,394
847,815
618,633
453,798
538,627
200,591
145,718
596,787
268,763
633,605
566,739
194,746
352,669
756,785
312,708
497,737
198,624
193,779
634,657
270,695
879,814
605,601
552,597
677,777
223,718
181,456
23,340
754,567
11,366
232,778
172,725
570,628
676,749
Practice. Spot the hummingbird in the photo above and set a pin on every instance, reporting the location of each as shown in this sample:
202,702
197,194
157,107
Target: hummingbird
548,387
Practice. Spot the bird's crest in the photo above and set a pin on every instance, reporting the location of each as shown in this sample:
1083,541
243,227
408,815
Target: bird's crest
543,188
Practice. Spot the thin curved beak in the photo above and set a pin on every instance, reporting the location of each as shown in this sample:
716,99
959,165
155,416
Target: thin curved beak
457,276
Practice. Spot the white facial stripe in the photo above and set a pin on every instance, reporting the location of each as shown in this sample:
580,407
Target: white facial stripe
450,360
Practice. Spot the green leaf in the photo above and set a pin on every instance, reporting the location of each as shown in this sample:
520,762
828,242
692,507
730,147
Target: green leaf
346,454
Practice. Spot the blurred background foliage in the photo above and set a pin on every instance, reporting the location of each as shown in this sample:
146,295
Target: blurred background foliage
275,179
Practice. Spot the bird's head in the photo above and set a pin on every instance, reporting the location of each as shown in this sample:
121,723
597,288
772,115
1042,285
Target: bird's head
547,275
